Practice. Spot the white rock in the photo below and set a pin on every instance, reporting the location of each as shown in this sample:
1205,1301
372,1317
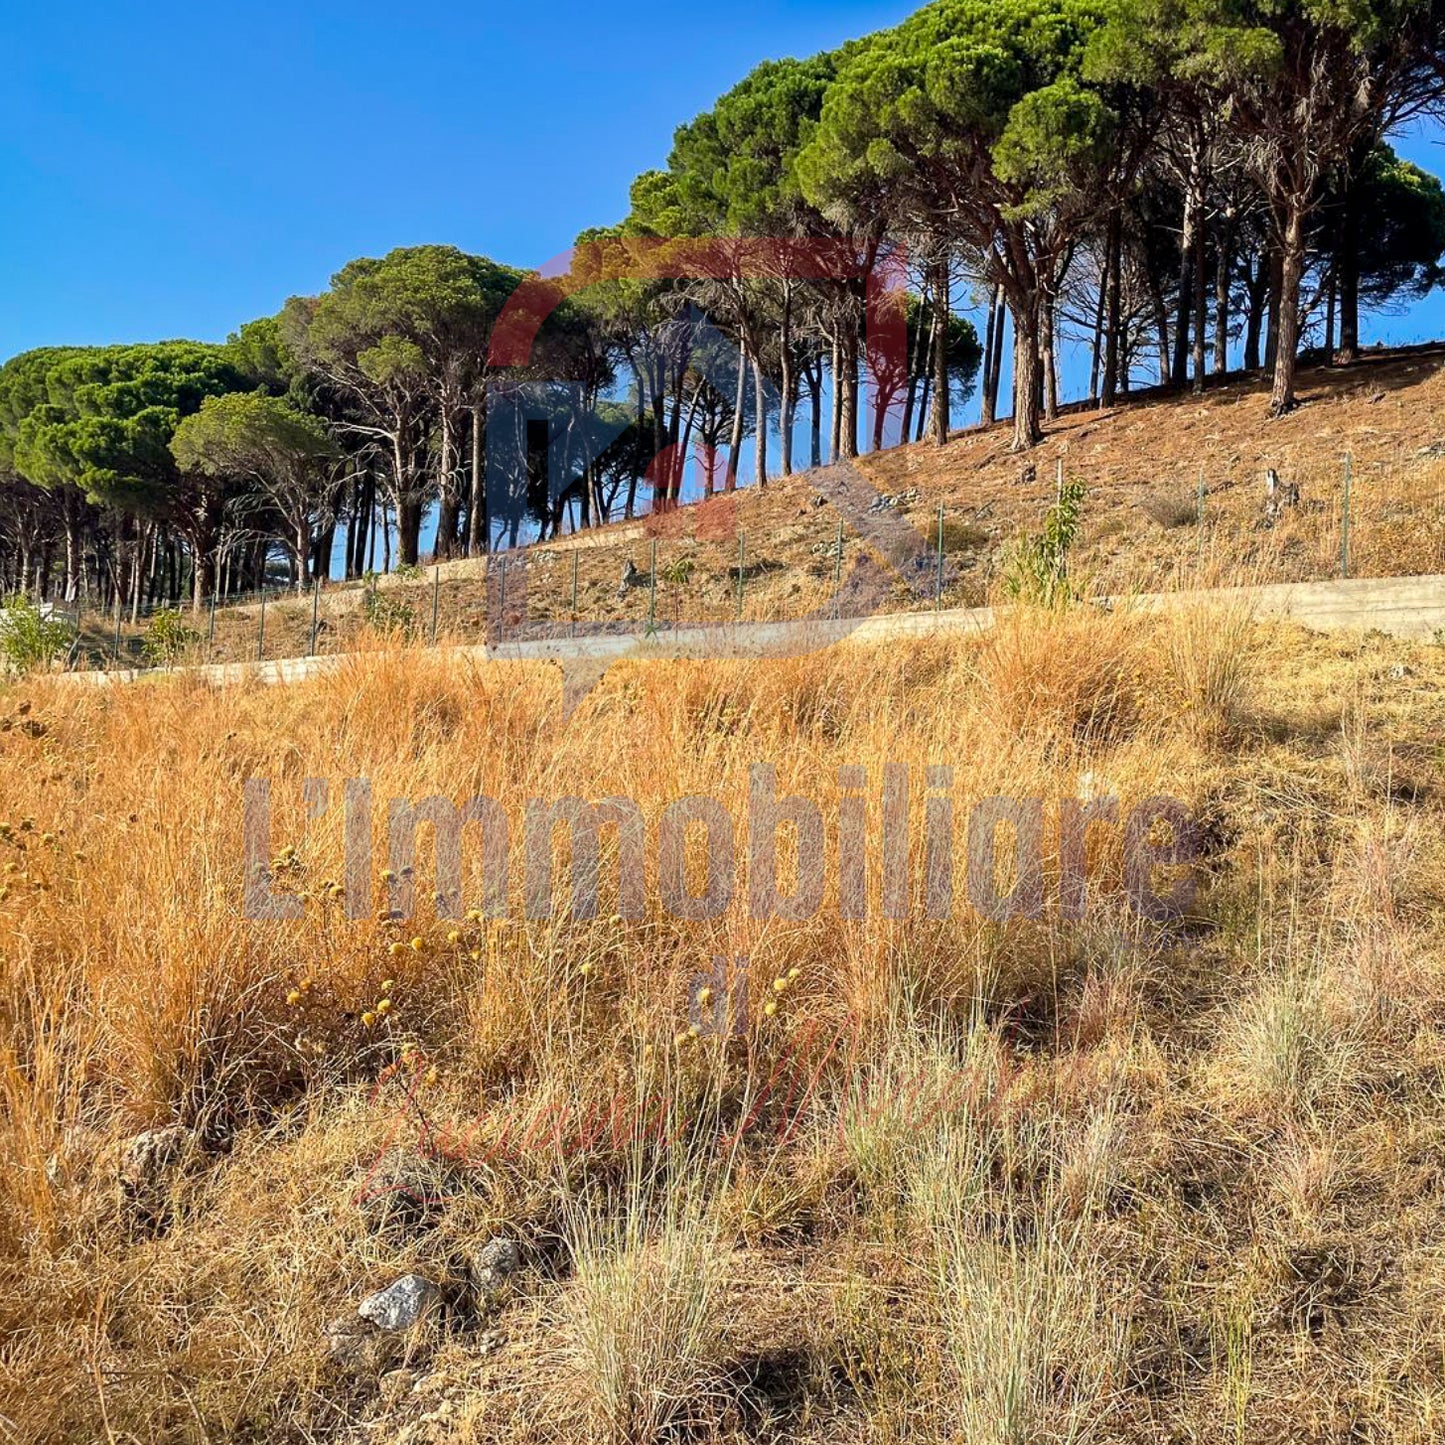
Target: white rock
399,1306
492,1265
146,1164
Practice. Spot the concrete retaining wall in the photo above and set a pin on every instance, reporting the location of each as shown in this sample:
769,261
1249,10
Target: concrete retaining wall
1407,607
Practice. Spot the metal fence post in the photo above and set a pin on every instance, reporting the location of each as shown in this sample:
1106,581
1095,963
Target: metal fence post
742,560
119,613
938,580
315,612
436,601
1345,524
211,630
502,597
652,590
838,572
261,633
574,592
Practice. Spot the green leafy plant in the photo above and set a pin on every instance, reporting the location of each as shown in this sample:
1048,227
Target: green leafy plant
676,574
1036,567
388,615
167,638
407,572
28,638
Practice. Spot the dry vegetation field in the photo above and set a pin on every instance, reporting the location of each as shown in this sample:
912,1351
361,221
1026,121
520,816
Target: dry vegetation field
1061,1181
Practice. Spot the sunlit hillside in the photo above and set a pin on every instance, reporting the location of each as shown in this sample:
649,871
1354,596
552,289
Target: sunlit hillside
1174,498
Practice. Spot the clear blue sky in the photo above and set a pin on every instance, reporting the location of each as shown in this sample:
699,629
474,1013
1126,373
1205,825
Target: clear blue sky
176,170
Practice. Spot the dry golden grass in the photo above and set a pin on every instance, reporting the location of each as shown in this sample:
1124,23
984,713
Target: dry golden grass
1094,1180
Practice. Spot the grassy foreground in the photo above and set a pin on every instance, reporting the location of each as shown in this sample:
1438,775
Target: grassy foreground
1096,1180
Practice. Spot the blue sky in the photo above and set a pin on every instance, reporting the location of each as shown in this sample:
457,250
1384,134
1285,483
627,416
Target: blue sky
175,171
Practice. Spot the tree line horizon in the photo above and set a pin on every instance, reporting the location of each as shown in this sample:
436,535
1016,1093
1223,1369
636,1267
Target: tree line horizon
1170,185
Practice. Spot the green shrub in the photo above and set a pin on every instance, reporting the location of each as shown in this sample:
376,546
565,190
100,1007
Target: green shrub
388,615
167,638
1036,567
676,573
28,639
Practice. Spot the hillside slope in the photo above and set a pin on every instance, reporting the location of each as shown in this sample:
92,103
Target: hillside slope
1142,463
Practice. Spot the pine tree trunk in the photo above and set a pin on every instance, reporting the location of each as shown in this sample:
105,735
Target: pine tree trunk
203,567
1096,351
1028,430
68,509
1348,266
735,441
940,350
1201,292
835,420
985,397
684,442
477,529
365,523
408,531
785,413
449,518
1179,375
760,435
1001,316
1254,324
1282,394
1330,298
915,365
815,411
450,510
848,439
1048,363
1113,323
1223,262
1276,289
1161,328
